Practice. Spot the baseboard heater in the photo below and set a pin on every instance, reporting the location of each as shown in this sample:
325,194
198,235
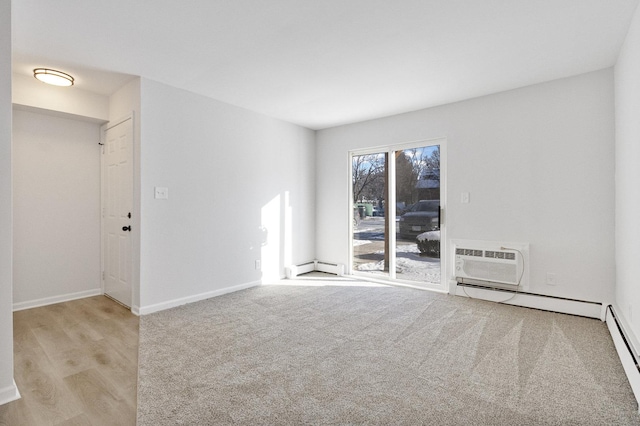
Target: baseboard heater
526,299
628,354
314,266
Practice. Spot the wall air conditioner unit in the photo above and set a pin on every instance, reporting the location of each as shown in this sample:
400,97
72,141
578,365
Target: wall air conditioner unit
490,264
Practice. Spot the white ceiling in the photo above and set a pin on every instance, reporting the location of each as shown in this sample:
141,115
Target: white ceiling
321,63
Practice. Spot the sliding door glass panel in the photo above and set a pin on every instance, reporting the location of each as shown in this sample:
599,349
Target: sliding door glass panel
369,181
417,189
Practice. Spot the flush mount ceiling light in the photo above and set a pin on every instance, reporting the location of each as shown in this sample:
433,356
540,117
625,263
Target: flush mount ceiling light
49,76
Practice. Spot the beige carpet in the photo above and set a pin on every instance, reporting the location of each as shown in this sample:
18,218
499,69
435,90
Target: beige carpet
290,355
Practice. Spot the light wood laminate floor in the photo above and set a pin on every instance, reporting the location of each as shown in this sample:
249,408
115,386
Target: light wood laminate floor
76,363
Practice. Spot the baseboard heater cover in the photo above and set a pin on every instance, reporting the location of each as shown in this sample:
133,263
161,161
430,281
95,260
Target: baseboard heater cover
543,302
628,355
314,266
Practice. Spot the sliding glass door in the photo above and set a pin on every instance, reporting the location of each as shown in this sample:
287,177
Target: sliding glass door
370,222
418,214
396,211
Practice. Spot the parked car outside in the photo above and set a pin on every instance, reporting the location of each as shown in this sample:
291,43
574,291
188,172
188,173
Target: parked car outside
421,217
378,212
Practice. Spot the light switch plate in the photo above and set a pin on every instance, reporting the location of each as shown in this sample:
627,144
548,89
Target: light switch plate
161,193
465,198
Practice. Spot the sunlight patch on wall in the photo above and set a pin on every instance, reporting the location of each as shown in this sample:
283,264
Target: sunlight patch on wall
276,251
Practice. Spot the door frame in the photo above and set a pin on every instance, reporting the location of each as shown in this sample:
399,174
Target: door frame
135,232
443,286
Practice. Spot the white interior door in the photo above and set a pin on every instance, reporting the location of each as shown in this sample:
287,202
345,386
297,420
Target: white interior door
117,211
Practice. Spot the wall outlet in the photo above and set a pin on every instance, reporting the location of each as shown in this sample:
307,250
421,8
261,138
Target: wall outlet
551,278
258,265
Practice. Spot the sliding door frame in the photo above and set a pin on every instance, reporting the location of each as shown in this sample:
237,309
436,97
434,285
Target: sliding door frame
390,151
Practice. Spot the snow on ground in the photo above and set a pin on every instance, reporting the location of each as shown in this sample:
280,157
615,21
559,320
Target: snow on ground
409,268
409,264
429,236
402,248
417,270
357,231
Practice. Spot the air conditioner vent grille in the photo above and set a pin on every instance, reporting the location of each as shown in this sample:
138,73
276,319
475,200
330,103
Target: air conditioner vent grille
491,263
468,252
500,255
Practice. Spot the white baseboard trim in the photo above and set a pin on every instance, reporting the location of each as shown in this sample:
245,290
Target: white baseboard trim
145,310
55,299
627,354
135,310
293,271
8,394
528,300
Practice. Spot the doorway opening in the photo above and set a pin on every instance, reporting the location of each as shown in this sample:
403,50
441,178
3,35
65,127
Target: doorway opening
56,207
397,206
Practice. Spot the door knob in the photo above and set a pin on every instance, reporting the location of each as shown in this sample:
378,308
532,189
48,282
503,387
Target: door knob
126,228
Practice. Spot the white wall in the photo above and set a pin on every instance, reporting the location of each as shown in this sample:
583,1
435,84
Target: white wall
28,91
538,163
125,101
8,391
236,179
627,159
56,196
